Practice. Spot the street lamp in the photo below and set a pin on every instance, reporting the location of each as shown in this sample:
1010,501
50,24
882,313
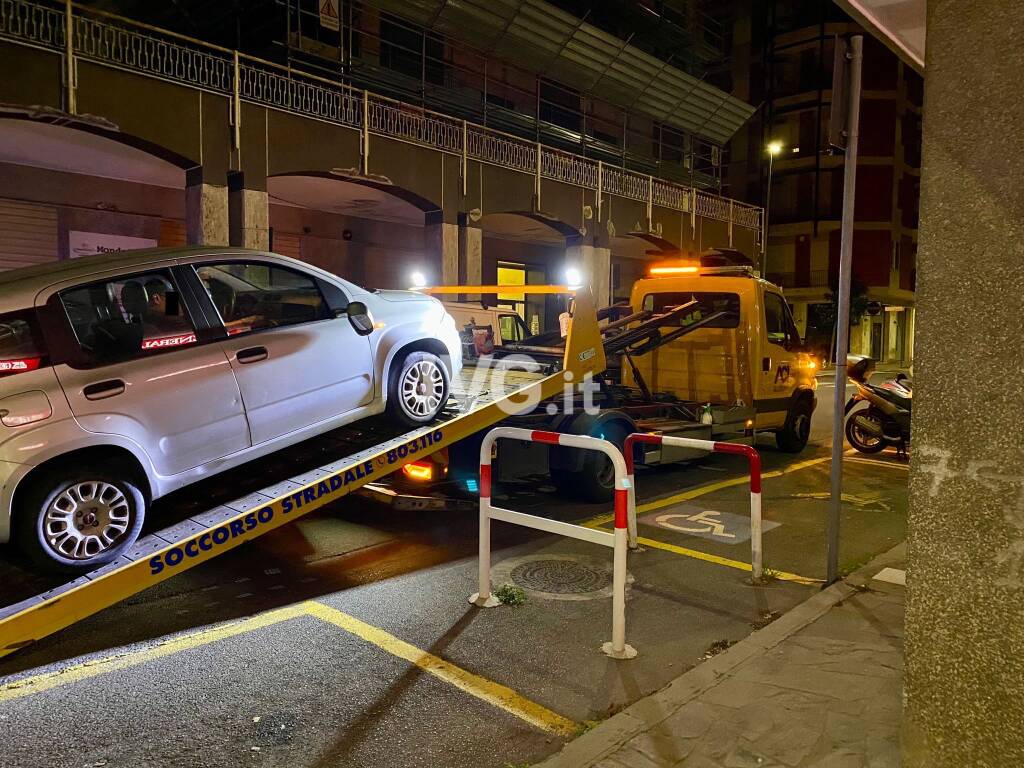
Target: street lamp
773,148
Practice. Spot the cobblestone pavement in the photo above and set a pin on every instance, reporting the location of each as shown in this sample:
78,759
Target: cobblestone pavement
819,688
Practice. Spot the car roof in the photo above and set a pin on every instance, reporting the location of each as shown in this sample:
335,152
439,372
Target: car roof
19,287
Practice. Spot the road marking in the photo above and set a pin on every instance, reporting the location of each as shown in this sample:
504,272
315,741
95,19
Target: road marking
486,690
482,688
94,667
849,498
737,564
708,520
892,464
702,490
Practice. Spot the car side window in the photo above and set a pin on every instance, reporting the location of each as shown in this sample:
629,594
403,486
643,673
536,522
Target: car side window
255,296
778,322
128,316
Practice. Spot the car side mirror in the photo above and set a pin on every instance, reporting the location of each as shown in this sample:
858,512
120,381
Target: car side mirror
360,318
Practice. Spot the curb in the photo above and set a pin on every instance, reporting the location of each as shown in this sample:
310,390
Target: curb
641,716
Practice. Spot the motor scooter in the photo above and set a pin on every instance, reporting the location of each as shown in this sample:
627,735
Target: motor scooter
886,420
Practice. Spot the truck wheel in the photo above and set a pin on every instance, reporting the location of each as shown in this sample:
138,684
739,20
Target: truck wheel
76,520
792,438
596,481
417,389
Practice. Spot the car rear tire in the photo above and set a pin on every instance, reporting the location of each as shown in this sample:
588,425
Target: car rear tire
418,389
76,520
793,436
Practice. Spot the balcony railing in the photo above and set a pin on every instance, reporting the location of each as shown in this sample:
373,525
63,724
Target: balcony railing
117,42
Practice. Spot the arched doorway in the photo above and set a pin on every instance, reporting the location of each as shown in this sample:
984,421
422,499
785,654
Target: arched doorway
367,231
70,191
526,249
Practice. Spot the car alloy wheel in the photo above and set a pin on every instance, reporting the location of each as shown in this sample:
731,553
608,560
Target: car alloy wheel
86,519
422,388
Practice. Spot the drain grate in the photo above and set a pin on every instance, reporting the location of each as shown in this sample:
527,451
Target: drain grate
561,577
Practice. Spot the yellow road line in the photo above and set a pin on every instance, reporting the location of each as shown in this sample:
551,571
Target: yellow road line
859,460
486,690
480,687
737,564
83,671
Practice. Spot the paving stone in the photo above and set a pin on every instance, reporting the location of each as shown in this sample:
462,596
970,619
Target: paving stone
839,759
661,745
691,720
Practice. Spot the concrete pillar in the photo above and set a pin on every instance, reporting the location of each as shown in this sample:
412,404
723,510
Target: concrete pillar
964,675
441,241
206,210
471,251
248,214
595,263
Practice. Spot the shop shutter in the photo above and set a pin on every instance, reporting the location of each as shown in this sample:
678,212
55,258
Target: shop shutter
28,234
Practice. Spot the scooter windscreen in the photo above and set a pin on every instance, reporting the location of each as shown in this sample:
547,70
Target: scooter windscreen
859,368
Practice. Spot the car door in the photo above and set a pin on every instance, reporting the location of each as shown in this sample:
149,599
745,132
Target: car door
296,357
139,366
778,362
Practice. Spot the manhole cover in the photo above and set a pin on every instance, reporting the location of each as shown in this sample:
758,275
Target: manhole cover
557,577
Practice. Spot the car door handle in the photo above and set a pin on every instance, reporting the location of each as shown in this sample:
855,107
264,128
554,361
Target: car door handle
251,355
103,389
766,363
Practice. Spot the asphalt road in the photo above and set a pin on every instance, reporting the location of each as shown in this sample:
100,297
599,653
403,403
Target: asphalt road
346,639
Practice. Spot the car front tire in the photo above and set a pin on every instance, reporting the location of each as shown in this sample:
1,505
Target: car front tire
417,389
76,520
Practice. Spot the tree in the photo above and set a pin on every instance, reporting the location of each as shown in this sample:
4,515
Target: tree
858,307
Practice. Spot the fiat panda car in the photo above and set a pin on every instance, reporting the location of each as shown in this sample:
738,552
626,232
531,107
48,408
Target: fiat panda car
128,375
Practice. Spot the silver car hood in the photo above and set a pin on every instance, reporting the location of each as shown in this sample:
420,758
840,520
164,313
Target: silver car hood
390,295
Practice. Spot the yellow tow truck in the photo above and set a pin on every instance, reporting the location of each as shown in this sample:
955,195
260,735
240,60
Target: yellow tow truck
704,349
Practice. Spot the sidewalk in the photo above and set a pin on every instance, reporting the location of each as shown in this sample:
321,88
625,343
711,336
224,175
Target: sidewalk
820,687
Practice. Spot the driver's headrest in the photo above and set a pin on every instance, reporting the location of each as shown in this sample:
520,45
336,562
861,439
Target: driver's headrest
133,299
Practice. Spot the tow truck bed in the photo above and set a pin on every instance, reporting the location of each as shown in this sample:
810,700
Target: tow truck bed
482,395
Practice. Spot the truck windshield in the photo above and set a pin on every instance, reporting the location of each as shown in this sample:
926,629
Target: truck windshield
707,304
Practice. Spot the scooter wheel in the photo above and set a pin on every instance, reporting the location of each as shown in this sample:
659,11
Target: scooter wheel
860,440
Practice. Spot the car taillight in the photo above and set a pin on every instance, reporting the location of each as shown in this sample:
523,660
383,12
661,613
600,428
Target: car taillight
19,365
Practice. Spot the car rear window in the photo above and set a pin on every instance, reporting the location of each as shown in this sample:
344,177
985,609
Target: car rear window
128,316
708,303
21,345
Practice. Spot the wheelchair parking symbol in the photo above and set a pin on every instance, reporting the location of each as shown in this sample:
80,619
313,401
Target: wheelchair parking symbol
707,521
724,527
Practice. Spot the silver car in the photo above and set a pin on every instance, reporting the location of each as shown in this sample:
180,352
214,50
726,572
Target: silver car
125,376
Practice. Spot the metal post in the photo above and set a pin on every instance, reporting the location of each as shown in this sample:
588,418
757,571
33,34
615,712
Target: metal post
767,208
465,157
366,131
69,59
536,190
600,187
843,312
236,105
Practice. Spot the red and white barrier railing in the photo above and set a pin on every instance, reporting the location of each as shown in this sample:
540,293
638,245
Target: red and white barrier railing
617,648
754,459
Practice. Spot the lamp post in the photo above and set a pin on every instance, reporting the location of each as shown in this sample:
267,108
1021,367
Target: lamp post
773,148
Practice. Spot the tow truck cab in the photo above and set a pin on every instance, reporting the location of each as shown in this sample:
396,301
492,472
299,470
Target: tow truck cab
750,353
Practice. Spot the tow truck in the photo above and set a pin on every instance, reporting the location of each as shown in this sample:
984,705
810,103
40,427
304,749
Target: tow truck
704,349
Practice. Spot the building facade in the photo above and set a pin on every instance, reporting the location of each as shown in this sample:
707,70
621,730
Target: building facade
380,148
784,59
